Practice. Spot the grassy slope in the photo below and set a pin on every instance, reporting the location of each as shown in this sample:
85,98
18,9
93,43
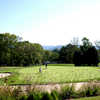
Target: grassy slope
90,98
54,74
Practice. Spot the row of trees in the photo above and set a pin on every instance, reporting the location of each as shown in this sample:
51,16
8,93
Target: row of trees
15,52
86,55
81,55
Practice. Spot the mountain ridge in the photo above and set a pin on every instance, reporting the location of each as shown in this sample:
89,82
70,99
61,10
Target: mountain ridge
52,47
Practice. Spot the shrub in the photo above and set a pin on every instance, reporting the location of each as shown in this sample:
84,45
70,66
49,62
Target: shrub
30,97
6,98
55,95
36,95
89,90
68,92
17,92
23,97
47,96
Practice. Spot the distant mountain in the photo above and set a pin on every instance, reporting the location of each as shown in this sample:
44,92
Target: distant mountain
51,47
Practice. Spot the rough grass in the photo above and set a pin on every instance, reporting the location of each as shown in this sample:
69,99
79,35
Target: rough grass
89,98
53,74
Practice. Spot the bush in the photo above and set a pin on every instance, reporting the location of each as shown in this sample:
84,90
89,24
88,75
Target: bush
89,90
68,92
55,95
47,96
7,98
30,97
35,96
23,98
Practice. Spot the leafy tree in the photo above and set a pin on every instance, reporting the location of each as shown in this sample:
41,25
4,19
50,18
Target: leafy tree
67,52
14,52
54,57
92,56
7,42
86,44
87,55
77,58
75,41
47,55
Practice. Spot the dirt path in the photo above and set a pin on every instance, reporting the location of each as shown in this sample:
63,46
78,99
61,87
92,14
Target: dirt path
48,87
77,86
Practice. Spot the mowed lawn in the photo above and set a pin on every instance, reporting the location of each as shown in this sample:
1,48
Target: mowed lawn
89,98
62,73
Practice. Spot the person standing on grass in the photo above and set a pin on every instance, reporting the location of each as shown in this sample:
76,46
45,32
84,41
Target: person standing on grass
46,65
40,69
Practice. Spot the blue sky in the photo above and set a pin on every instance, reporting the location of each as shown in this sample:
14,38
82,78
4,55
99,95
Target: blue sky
51,22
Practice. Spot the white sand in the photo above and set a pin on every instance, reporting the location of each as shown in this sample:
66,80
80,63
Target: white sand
2,75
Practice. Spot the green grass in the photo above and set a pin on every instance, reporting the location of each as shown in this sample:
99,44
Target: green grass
61,73
66,65
89,98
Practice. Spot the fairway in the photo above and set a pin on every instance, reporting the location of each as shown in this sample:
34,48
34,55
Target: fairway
52,75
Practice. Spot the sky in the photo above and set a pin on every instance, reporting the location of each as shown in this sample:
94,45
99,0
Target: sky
51,22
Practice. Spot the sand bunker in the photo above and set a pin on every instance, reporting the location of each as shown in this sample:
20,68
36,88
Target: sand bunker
2,75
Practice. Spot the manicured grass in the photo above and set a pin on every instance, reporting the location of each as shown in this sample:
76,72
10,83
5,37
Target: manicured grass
89,98
53,74
66,65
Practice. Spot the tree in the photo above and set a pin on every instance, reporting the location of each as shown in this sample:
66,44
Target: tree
14,52
29,53
84,48
75,41
7,42
66,53
86,44
87,55
92,56
54,57
77,58
47,55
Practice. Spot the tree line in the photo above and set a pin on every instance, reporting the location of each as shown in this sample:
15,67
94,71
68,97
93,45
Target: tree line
87,55
16,52
81,55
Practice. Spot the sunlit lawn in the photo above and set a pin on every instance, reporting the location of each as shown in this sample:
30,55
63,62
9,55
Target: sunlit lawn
53,74
90,98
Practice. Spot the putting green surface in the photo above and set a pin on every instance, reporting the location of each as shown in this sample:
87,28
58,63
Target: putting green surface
65,73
